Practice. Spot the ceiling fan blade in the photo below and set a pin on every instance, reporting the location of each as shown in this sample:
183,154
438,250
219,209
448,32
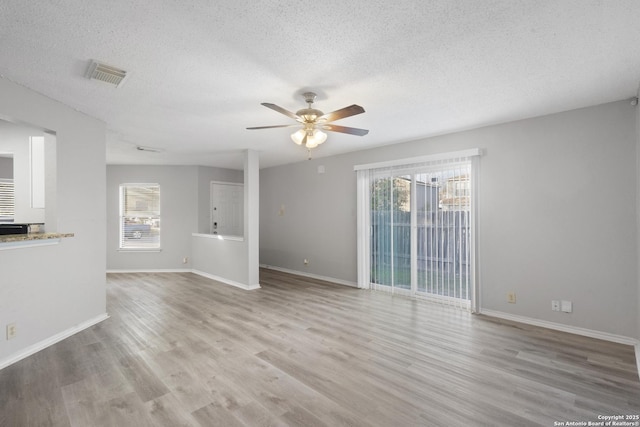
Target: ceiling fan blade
349,111
271,127
344,129
282,111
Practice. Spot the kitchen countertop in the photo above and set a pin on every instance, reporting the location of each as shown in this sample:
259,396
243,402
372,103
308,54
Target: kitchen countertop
10,238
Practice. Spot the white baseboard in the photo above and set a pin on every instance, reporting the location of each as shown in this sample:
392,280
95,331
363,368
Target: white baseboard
312,276
226,281
50,341
237,284
194,271
149,270
620,339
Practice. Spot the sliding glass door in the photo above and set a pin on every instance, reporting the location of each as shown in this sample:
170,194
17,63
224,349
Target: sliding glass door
420,223
443,229
391,233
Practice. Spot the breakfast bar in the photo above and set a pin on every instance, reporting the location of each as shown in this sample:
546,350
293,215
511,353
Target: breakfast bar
15,241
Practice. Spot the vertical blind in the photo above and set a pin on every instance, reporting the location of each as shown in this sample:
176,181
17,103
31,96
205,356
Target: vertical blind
415,223
7,200
139,216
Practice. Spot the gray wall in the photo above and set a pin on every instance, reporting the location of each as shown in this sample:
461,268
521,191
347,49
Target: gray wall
48,290
542,233
184,209
235,262
226,259
319,219
178,216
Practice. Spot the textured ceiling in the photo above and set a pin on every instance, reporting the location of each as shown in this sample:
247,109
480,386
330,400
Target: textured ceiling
200,69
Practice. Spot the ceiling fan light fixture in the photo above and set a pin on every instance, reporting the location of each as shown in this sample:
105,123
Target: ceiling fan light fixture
316,138
298,136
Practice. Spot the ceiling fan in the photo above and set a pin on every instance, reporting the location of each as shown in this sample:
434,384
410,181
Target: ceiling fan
313,122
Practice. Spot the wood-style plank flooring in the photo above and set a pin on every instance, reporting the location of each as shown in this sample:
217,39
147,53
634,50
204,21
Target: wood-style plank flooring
182,350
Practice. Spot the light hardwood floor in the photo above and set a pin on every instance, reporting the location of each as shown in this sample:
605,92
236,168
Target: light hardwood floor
180,349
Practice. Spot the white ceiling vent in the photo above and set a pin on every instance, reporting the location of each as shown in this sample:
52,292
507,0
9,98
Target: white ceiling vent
106,73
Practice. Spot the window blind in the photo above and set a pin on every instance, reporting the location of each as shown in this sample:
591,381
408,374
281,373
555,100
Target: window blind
7,200
139,216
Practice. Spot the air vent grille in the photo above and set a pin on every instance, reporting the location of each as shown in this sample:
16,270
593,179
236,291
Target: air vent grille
106,73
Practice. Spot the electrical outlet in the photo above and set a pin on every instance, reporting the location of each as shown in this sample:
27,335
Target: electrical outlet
185,260
566,306
511,297
555,305
306,261
11,331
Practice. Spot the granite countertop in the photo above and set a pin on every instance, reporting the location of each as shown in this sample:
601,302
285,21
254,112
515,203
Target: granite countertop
8,238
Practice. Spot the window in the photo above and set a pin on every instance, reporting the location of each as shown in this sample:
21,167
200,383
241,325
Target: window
415,227
139,216
7,200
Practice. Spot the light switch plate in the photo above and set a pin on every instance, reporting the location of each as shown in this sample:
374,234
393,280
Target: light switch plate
11,331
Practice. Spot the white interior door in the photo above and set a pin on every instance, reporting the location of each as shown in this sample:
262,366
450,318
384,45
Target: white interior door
227,213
